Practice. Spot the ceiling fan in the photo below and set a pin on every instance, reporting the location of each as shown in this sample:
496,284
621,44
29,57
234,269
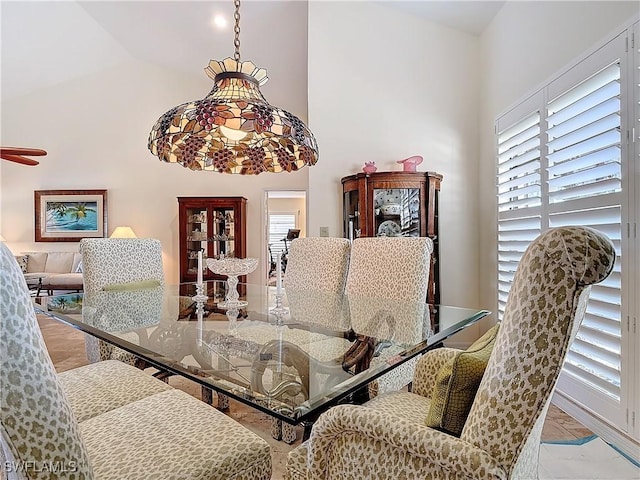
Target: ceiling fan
17,154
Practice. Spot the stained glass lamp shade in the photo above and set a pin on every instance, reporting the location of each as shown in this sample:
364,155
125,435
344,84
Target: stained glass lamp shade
233,129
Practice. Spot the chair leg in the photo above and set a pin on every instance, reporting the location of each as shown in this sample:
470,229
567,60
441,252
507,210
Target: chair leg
288,433
207,395
223,402
276,428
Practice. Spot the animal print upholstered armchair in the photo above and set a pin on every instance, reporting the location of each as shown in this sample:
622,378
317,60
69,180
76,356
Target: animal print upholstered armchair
388,437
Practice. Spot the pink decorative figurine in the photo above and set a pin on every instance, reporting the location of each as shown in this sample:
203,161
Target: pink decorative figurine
369,167
410,164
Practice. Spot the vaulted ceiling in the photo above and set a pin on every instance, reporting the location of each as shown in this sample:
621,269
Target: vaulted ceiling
46,43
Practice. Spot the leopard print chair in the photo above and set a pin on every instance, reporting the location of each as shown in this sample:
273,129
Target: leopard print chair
387,287
44,435
388,438
314,281
112,261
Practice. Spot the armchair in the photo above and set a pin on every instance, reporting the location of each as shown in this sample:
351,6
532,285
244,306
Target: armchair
388,437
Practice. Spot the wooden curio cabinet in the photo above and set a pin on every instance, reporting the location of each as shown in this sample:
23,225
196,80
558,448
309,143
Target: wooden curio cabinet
215,225
395,204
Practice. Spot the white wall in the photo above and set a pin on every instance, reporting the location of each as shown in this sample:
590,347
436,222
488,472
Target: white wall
95,130
384,86
525,46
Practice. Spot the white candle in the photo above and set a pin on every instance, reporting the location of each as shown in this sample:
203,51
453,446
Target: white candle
200,267
351,230
279,274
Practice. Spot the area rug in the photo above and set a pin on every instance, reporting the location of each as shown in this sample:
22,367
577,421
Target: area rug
585,459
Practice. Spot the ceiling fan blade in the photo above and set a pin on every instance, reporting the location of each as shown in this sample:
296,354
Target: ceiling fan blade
19,159
32,152
16,154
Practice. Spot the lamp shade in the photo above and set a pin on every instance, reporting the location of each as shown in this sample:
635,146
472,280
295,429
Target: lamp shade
233,129
123,232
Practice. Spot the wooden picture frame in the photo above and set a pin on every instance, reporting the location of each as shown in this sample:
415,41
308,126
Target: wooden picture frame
70,215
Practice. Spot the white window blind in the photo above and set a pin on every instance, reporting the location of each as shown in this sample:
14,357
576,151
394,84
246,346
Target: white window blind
279,225
562,156
584,175
519,197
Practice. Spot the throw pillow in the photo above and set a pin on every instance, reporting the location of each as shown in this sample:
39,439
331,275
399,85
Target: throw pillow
22,261
132,285
457,383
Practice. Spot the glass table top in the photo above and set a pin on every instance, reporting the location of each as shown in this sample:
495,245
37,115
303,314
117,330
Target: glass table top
292,362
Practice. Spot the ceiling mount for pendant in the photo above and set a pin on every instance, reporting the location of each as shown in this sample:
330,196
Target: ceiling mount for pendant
233,129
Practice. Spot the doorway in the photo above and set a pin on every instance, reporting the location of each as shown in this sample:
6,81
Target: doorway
285,213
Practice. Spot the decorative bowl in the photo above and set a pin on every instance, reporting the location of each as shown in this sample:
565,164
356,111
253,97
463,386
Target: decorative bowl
232,266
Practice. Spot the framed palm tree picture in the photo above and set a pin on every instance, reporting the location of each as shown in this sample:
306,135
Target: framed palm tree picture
69,215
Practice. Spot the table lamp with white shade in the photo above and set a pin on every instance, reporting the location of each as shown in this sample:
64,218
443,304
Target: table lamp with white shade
123,232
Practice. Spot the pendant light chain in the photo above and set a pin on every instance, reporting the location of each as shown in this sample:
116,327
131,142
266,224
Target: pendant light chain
236,30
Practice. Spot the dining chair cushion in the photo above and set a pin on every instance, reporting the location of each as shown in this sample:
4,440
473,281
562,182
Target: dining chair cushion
456,385
103,386
172,435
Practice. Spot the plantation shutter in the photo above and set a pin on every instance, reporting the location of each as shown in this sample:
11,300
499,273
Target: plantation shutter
279,225
563,159
519,192
585,188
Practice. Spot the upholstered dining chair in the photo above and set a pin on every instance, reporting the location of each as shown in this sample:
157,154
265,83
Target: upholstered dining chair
387,285
314,280
388,437
317,266
141,429
108,263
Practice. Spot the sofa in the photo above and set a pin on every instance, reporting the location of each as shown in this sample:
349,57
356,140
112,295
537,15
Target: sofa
52,271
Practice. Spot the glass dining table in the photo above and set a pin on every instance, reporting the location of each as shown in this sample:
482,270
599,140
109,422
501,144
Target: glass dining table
291,354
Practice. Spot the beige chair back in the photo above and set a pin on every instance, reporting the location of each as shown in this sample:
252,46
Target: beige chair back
113,261
387,286
546,305
317,263
314,281
108,261
39,429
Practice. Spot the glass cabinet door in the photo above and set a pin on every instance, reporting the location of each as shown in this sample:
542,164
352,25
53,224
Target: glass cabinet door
197,235
222,238
352,228
396,212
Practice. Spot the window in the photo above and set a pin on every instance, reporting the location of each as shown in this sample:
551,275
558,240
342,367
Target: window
279,225
564,157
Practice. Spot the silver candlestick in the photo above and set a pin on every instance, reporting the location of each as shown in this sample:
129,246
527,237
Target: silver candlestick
279,311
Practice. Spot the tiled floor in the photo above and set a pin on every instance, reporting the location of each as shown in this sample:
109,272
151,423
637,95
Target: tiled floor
66,348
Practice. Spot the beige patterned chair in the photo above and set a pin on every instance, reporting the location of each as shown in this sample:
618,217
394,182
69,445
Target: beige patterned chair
114,261
48,433
314,282
387,437
387,287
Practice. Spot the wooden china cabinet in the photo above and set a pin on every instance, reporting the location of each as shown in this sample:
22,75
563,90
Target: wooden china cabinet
215,225
395,204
